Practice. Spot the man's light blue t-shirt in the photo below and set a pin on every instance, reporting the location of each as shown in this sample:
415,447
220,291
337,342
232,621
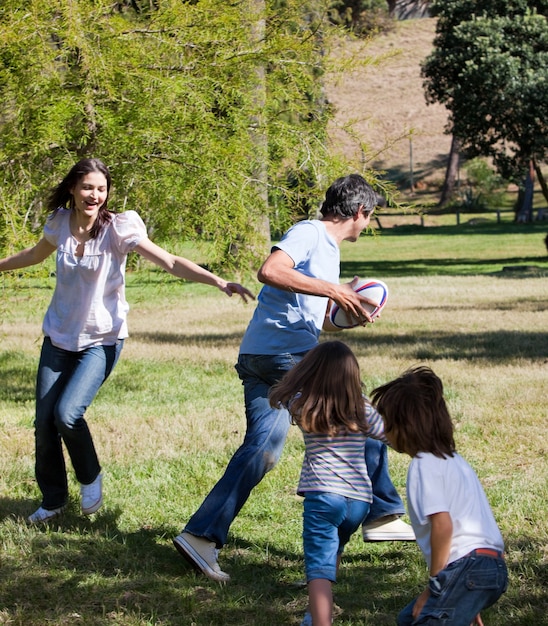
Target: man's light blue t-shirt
286,322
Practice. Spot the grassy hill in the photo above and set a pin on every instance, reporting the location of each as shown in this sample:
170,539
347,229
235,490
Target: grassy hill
380,101
385,105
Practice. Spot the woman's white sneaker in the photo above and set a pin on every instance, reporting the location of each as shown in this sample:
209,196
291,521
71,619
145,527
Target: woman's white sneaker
44,515
92,496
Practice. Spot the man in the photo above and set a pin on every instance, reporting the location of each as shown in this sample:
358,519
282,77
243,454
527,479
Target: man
301,277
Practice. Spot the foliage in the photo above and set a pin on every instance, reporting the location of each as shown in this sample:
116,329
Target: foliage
173,97
362,16
483,189
489,68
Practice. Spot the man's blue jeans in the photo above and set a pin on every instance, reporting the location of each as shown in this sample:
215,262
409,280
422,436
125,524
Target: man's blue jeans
66,384
262,447
466,587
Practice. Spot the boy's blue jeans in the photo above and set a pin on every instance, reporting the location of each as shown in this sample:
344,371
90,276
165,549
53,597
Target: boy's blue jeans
467,586
262,447
66,384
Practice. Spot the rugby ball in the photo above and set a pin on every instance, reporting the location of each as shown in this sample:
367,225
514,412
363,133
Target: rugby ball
372,289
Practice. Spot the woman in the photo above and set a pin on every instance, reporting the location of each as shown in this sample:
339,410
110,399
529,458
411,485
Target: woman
86,323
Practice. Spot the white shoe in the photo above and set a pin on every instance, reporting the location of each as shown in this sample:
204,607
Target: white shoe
44,515
91,496
202,554
388,529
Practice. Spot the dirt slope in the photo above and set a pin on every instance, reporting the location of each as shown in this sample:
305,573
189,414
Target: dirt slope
387,106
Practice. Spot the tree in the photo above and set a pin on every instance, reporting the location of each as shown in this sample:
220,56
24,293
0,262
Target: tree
489,68
165,92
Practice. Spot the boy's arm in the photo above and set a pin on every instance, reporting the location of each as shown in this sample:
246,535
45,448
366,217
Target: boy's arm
440,547
440,541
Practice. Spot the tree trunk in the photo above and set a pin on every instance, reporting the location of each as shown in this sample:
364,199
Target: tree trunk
524,206
451,173
259,173
541,180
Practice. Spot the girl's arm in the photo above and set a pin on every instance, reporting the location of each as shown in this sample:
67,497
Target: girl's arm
30,256
440,546
374,422
183,268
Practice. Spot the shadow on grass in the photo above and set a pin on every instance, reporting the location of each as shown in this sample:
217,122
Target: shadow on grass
18,377
462,266
19,372
500,345
220,340
401,175
88,571
496,346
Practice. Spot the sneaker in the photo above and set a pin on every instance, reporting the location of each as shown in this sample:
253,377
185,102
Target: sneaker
201,554
44,515
388,529
307,619
91,496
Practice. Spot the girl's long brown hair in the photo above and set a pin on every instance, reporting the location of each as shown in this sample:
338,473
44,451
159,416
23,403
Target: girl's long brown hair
416,418
61,195
324,391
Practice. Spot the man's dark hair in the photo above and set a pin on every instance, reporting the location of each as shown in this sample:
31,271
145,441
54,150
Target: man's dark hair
347,194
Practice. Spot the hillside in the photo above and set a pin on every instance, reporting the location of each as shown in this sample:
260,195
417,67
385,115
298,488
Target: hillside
386,104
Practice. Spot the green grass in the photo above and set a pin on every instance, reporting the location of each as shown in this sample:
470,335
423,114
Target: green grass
171,415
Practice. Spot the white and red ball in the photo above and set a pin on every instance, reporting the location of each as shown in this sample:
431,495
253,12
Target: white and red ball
374,290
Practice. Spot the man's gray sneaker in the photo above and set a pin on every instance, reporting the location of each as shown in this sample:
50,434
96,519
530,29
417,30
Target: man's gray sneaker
201,553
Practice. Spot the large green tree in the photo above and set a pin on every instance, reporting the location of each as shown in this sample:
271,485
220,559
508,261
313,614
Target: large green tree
489,68
169,95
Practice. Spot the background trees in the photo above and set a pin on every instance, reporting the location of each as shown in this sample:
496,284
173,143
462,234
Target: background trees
177,98
490,69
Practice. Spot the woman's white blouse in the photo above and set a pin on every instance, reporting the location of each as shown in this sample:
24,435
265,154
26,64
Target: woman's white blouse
89,306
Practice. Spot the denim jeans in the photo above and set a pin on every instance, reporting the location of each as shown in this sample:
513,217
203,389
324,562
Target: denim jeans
66,384
329,520
467,586
262,447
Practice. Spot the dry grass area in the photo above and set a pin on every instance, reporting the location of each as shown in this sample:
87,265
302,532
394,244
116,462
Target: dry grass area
384,104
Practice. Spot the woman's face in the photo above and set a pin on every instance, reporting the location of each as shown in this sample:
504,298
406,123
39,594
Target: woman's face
90,193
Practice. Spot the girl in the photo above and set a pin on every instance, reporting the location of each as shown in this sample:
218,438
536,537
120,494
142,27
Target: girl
449,511
85,325
324,395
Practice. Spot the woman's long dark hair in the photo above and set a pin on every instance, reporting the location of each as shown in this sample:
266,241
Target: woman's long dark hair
61,196
324,391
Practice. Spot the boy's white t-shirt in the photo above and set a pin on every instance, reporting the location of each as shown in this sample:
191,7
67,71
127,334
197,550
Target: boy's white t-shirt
436,485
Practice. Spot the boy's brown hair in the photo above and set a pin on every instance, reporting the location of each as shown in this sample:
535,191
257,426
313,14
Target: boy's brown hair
416,418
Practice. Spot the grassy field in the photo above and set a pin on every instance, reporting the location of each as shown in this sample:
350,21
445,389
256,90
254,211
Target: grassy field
469,301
